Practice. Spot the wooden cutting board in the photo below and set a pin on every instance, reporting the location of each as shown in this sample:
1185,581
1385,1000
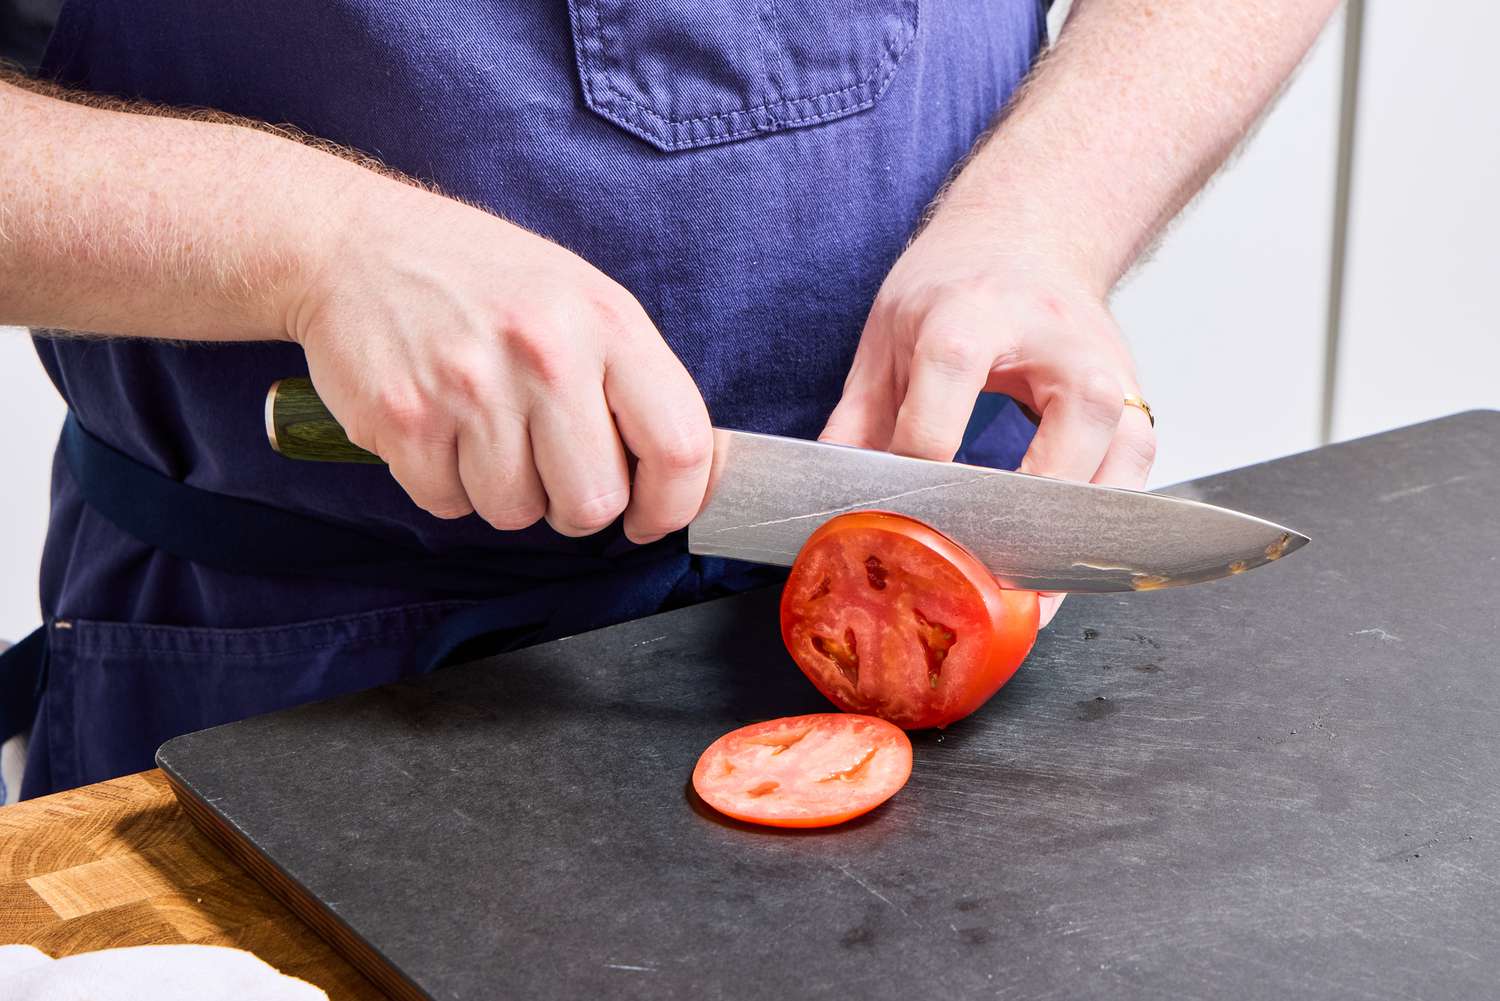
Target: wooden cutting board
116,864
1281,785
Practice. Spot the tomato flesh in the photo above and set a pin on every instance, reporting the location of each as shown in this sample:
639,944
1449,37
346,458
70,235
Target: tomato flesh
889,617
804,771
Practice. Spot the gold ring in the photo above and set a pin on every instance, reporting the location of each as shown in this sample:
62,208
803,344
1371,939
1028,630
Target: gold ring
1135,401
271,416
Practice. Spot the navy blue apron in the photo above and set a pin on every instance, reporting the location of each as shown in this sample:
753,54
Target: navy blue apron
749,171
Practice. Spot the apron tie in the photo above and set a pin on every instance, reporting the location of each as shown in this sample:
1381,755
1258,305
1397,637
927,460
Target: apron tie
537,597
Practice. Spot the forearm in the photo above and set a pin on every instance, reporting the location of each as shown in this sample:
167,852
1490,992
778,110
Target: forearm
148,225
1135,107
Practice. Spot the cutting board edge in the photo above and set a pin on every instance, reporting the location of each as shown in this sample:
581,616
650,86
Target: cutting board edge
360,954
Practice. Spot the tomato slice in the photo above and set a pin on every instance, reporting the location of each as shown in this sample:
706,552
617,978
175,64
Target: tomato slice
889,617
804,771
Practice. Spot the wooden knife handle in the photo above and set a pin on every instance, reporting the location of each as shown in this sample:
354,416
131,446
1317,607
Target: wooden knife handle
299,426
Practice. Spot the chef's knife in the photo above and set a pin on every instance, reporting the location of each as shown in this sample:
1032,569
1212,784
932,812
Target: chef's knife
767,494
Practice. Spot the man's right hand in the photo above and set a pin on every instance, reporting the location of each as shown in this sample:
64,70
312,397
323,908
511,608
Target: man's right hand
497,372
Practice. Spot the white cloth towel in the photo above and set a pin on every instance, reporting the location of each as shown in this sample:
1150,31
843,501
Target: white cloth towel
12,767
147,973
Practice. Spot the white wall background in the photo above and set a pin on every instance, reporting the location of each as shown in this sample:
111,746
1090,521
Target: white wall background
1229,317
31,413
1421,314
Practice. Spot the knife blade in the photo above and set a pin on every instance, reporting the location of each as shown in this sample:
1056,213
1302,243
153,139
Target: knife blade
767,494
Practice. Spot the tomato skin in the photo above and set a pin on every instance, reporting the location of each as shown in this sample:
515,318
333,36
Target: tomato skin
889,617
804,771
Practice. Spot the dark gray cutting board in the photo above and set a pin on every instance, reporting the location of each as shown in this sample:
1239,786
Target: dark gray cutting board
1283,785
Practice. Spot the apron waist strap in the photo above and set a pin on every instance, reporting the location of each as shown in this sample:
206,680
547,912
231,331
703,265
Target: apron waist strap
535,597
247,537
551,596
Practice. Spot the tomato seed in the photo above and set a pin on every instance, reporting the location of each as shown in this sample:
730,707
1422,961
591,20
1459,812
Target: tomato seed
852,772
782,741
876,572
936,639
845,655
764,789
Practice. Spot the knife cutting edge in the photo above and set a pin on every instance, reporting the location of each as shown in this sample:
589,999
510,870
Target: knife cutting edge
767,494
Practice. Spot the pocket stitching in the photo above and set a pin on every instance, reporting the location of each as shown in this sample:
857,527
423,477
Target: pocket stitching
593,46
88,634
257,654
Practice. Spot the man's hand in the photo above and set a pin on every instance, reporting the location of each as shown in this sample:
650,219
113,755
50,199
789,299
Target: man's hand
497,372
1133,109
955,318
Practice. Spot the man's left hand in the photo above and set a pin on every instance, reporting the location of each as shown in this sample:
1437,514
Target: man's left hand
957,316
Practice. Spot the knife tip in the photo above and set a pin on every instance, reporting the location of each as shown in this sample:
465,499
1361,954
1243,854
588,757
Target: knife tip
1286,542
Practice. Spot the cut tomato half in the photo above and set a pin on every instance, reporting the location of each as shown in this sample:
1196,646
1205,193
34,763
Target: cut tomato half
889,617
804,771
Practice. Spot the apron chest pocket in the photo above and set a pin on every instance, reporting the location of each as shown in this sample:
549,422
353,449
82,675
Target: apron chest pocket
681,75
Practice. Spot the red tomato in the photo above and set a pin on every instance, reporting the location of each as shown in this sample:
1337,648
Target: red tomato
804,771
892,618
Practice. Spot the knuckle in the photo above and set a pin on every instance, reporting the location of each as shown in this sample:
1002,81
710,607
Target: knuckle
685,452
1100,396
951,350
539,350
445,504
1140,447
927,443
438,495
663,518
513,516
564,528
646,528
360,431
468,378
403,413
449,509
644,534
1052,306
904,310
1052,310
617,312
592,514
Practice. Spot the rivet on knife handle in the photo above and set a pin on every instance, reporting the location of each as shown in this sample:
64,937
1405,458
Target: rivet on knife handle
299,426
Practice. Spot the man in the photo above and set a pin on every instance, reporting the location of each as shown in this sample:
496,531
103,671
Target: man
629,219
